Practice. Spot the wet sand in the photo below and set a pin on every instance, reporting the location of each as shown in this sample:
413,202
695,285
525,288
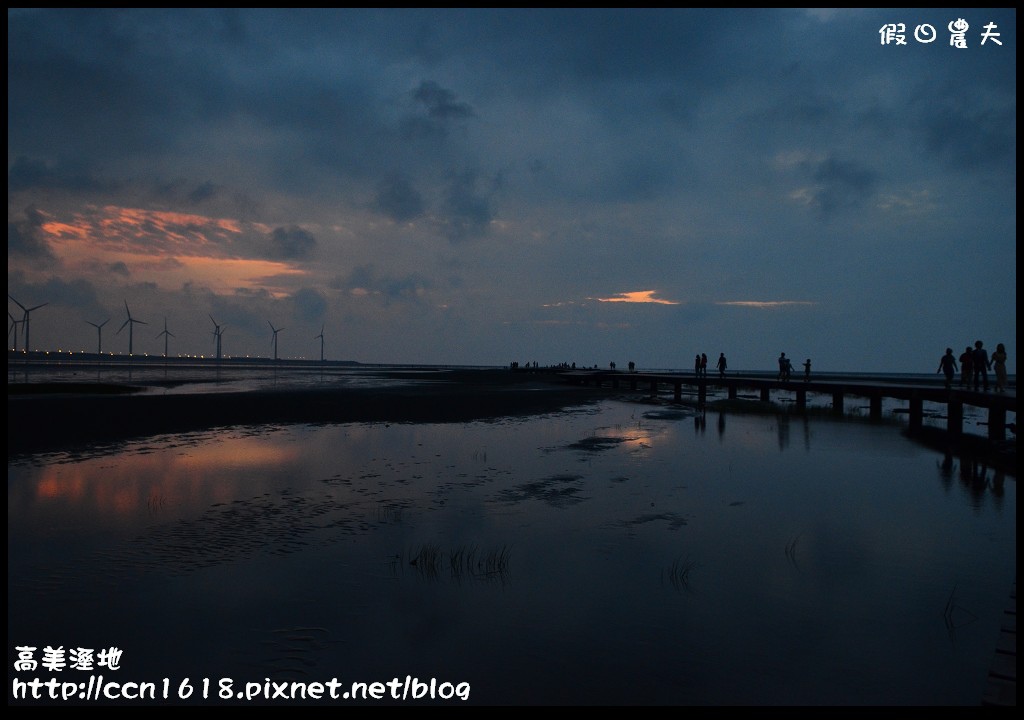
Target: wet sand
46,417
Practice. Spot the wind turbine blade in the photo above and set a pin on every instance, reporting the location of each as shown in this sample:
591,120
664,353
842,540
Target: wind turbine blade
121,328
38,306
16,302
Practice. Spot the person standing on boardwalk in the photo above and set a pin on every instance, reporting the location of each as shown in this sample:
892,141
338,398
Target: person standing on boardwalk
966,367
784,366
703,365
999,366
722,365
947,365
696,365
807,370
981,364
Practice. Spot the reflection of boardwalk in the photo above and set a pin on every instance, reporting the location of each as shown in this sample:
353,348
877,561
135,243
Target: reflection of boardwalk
1001,689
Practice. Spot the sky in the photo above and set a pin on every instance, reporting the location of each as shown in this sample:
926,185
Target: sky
488,186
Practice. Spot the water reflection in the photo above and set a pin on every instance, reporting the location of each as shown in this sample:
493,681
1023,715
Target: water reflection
605,556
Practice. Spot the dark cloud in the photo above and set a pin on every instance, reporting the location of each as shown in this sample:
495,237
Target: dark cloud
468,212
291,243
440,103
398,199
841,185
237,317
310,305
77,294
25,239
972,135
202,192
404,288
119,268
27,173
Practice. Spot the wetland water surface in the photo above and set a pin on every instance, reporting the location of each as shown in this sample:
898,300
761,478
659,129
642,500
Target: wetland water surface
621,554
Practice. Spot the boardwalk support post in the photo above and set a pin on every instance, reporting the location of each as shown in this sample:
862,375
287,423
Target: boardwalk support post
916,414
955,418
997,424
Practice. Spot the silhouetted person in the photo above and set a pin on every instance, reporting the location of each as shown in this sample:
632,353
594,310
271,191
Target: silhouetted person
703,365
807,370
632,366
784,366
696,365
982,365
999,366
966,367
947,365
722,365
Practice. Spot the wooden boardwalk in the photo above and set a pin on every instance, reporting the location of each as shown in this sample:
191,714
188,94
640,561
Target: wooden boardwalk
875,390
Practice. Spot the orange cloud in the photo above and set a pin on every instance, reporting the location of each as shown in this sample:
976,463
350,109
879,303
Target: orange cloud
168,249
637,296
135,230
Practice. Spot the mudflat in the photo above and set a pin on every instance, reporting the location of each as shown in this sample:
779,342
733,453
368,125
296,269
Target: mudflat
45,417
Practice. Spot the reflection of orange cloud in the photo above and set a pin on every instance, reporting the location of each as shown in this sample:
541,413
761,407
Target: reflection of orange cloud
240,452
637,296
632,437
138,481
765,303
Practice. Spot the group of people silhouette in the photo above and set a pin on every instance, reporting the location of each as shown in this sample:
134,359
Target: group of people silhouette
786,368
975,364
700,366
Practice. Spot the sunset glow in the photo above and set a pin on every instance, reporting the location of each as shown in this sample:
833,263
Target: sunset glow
637,296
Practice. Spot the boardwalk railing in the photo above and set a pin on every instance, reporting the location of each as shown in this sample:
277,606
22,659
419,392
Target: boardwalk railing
997,404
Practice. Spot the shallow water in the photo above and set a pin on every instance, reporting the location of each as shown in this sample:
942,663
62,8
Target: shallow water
624,554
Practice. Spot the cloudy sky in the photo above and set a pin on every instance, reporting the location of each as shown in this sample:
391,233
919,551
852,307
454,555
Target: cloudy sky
486,186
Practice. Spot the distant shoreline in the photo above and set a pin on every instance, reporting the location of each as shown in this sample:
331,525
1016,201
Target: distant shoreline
43,417
18,362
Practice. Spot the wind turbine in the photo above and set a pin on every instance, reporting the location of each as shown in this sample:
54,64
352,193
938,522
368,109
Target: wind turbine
167,334
217,331
321,336
276,331
14,329
130,322
99,332
25,317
